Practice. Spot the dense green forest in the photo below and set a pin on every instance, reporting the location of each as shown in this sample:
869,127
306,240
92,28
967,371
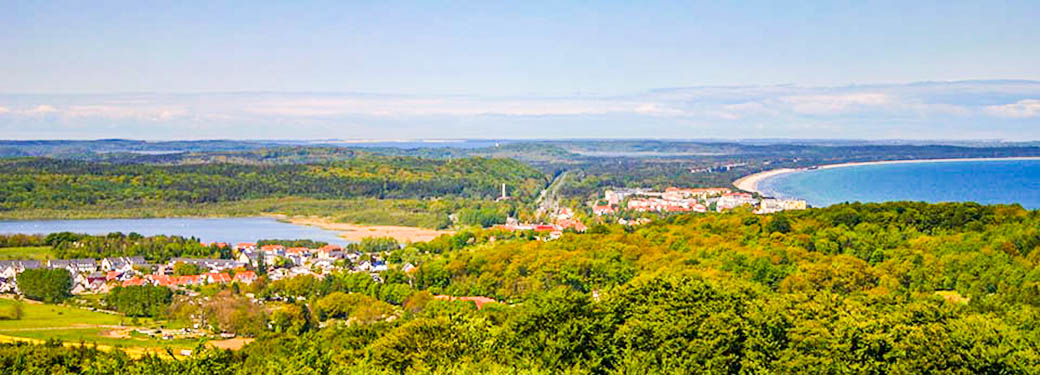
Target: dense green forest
36,187
853,288
48,183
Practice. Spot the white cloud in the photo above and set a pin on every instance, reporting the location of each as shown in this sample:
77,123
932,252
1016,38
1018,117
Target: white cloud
1025,108
149,112
448,106
657,109
762,111
836,104
41,110
746,109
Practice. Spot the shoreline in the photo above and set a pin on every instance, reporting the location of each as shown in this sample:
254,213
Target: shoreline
750,182
357,232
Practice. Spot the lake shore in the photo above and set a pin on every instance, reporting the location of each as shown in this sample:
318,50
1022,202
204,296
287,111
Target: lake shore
750,182
357,232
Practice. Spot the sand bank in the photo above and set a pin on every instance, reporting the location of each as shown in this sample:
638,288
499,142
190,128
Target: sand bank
750,182
355,232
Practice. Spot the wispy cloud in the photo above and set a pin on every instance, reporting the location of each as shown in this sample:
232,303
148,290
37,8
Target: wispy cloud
1025,108
994,108
125,112
836,104
41,109
449,106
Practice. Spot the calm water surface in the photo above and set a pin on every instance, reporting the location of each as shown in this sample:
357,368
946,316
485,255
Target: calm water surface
232,230
988,182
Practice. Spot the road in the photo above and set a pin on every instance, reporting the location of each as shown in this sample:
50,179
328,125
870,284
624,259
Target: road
549,199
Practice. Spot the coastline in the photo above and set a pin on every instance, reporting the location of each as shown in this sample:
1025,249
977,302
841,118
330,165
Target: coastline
750,182
357,232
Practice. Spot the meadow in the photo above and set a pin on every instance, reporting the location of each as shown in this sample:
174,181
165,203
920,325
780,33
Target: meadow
41,322
429,213
26,252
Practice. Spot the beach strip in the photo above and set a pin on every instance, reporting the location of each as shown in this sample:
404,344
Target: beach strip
750,182
357,232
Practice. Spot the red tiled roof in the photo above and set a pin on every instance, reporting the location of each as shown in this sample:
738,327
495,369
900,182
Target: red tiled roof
180,280
135,282
245,275
217,277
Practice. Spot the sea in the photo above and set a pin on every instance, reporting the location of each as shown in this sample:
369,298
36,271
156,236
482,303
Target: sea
982,181
230,230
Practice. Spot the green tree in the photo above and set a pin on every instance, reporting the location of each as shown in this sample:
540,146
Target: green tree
47,285
187,269
145,300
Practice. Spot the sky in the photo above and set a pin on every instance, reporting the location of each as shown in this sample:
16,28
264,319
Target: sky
531,69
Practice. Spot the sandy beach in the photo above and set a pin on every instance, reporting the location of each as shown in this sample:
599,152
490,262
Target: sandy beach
356,232
750,182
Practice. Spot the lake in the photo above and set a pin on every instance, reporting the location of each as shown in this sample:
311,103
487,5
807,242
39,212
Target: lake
231,230
987,182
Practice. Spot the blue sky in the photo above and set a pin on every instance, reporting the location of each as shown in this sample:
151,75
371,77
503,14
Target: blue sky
391,70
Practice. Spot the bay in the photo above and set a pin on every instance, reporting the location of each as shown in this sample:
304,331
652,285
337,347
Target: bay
982,181
231,230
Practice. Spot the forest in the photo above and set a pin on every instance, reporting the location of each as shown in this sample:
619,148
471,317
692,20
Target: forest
53,188
67,245
898,287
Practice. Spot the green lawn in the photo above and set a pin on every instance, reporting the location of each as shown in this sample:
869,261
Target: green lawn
30,252
406,212
39,315
97,336
70,324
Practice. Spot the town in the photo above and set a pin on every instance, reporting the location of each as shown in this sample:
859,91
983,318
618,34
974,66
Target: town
675,199
249,261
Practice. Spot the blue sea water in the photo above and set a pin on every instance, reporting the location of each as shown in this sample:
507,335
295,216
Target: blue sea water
987,182
231,230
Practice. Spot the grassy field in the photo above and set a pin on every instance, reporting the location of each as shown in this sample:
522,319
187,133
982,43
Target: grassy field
44,321
31,252
404,212
39,315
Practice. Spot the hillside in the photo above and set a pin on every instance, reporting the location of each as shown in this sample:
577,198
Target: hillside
40,187
863,288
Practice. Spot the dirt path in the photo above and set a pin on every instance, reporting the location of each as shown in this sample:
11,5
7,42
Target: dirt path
74,326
